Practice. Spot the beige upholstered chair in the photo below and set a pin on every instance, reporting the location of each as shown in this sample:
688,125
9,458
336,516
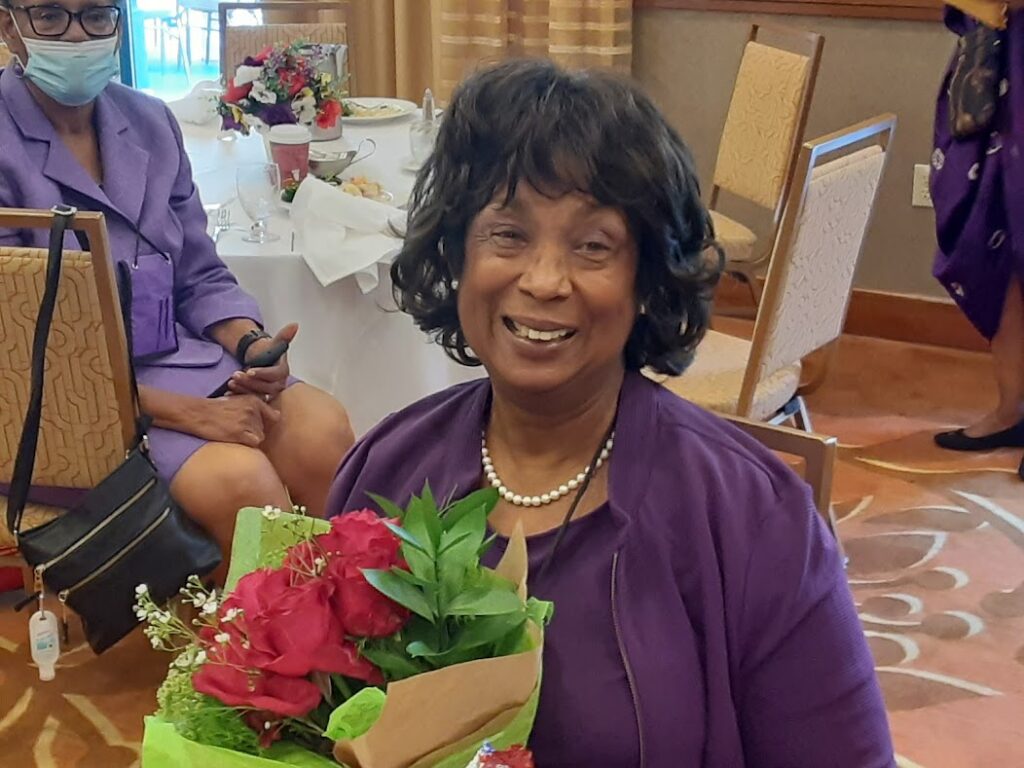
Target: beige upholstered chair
762,134
808,286
282,22
5,55
88,415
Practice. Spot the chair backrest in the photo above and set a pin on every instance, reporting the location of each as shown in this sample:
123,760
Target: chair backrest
5,55
766,118
818,453
285,22
88,411
810,279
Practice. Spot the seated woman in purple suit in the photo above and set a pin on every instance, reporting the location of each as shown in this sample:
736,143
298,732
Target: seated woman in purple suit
702,618
69,135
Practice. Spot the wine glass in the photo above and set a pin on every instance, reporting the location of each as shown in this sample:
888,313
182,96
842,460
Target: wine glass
259,192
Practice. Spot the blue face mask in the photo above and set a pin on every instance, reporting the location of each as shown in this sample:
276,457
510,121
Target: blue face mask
72,74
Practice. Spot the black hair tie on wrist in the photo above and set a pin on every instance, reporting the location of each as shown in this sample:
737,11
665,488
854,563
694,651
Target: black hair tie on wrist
247,340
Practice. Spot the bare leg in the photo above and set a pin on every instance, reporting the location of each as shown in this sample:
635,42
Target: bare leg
1008,356
308,443
217,481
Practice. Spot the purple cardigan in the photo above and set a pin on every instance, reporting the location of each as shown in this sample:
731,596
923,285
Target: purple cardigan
734,614
147,180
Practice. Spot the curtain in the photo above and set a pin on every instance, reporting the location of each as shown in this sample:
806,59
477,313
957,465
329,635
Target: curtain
574,33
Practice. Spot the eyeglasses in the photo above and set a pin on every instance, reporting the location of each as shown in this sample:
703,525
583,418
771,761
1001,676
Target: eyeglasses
54,21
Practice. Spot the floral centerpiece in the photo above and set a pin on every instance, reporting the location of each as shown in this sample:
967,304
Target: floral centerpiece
367,641
279,85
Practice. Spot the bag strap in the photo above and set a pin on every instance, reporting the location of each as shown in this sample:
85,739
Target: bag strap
24,463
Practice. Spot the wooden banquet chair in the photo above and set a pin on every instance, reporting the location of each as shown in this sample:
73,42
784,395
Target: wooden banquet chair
760,141
88,414
282,22
808,286
817,454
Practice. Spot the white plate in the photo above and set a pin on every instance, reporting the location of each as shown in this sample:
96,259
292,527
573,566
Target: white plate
392,109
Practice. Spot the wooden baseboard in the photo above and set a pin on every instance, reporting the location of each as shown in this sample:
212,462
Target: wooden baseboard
893,316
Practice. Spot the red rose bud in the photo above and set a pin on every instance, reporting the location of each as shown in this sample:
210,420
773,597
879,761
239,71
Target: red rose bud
235,93
329,114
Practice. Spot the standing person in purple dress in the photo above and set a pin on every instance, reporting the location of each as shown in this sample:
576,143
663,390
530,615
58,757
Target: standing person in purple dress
978,190
70,135
557,237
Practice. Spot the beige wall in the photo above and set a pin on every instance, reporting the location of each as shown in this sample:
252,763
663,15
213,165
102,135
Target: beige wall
688,62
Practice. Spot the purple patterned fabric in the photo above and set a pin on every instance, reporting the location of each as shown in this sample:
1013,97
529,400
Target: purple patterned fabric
977,186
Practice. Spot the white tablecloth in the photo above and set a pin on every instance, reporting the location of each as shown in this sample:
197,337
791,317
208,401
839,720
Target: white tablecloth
353,345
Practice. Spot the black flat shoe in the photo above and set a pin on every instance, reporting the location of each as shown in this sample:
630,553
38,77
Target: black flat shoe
958,440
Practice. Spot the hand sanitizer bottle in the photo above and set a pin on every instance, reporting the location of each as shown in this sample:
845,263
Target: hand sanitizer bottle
423,131
45,642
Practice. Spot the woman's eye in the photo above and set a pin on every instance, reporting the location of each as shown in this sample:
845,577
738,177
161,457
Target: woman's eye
507,236
595,247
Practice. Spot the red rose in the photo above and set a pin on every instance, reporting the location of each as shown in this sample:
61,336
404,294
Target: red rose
235,93
364,536
284,696
266,724
363,611
329,114
513,757
263,55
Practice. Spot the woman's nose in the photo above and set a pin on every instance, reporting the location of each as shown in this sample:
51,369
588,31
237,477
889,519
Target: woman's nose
546,276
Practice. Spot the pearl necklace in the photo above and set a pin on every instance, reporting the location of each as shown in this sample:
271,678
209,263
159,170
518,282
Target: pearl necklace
545,498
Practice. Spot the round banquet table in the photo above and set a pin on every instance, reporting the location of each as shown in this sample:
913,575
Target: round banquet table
356,346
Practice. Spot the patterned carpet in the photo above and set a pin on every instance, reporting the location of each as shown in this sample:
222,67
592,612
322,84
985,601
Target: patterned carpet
936,547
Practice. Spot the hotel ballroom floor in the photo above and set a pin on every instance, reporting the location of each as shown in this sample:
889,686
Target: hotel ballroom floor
936,547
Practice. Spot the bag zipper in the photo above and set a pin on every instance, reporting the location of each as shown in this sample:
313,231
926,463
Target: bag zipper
40,569
65,593
625,659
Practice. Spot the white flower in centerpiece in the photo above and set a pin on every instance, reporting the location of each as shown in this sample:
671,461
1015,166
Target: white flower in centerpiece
232,614
305,109
141,590
271,513
222,637
262,94
245,74
209,608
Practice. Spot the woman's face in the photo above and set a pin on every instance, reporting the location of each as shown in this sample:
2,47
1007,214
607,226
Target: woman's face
546,296
44,20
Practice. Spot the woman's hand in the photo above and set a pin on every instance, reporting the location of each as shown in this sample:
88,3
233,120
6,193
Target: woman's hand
241,419
269,382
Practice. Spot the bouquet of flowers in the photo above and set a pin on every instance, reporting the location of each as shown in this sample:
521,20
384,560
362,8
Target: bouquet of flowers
367,641
282,84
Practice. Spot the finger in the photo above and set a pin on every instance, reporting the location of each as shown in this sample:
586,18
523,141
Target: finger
276,372
287,333
270,415
250,439
253,385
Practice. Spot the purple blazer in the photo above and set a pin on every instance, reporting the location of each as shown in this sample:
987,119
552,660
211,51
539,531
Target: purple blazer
147,181
734,617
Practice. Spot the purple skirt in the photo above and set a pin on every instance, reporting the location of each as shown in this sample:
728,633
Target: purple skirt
977,185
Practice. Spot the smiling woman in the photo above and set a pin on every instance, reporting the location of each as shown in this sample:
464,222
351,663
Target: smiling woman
557,237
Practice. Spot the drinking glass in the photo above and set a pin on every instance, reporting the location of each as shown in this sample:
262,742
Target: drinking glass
259,192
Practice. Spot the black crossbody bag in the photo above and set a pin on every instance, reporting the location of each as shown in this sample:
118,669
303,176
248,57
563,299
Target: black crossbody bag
127,531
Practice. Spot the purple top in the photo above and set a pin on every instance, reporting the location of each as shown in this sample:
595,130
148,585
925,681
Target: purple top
731,610
581,653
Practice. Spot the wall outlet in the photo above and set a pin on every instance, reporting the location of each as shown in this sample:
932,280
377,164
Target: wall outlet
921,196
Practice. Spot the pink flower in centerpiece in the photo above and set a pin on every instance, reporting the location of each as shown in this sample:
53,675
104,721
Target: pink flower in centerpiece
329,114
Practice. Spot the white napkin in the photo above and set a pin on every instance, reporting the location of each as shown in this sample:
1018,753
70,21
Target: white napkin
341,235
200,106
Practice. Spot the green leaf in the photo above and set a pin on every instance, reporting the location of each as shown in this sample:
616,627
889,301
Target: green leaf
486,498
447,542
418,649
415,523
431,515
484,602
404,594
413,580
357,715
486,545
394,664
389,508
405,536
489,629
420,563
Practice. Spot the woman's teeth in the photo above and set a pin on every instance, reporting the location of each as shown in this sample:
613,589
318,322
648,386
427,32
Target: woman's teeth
525,332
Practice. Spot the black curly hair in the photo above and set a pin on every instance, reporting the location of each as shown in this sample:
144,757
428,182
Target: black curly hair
559,131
